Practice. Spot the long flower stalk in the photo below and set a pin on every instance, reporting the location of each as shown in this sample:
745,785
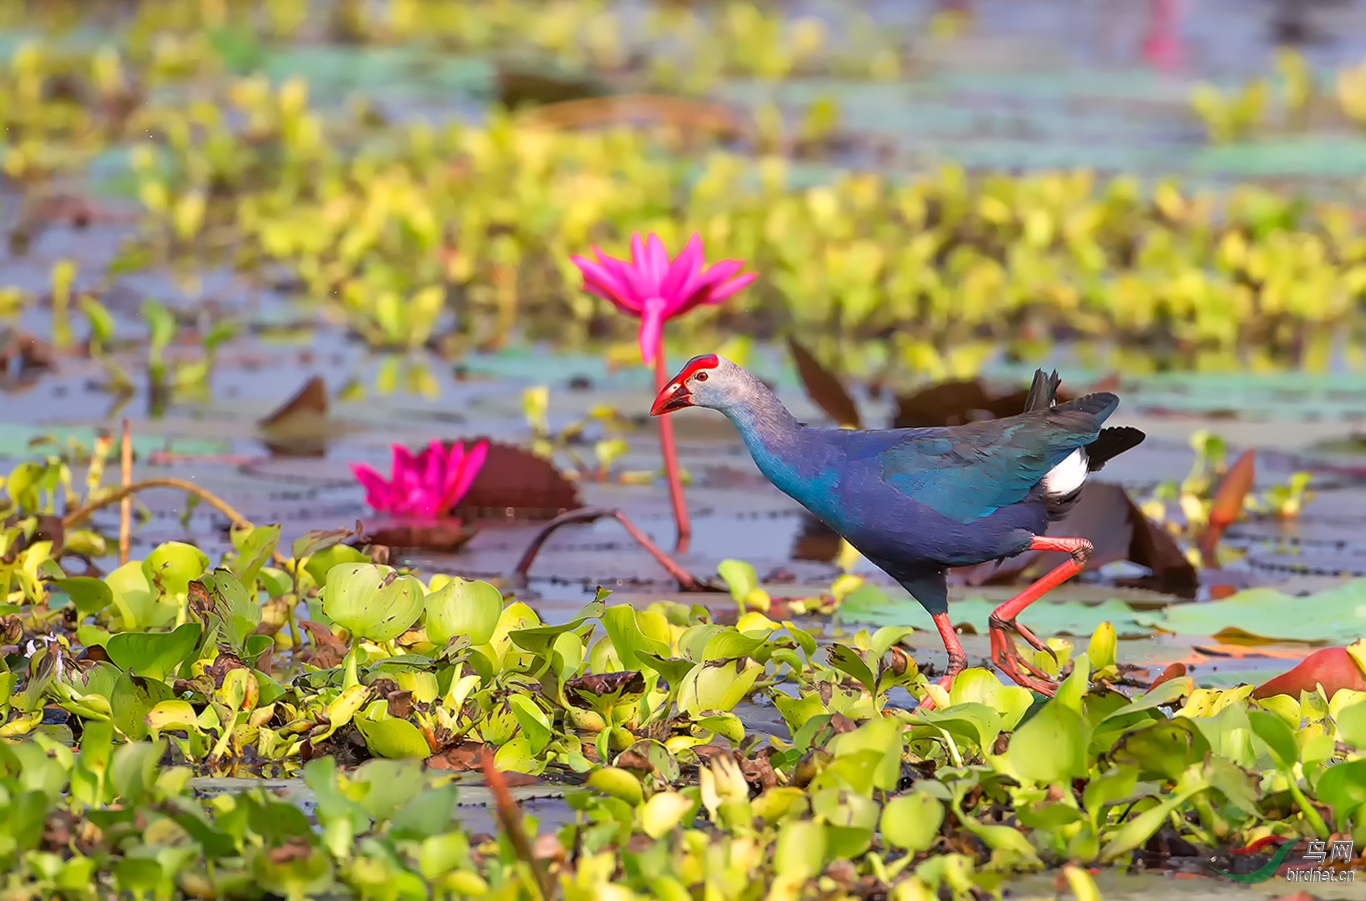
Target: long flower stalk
672,471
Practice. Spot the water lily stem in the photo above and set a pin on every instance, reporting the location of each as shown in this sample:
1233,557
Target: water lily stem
686,580
671,468
71,520
125,505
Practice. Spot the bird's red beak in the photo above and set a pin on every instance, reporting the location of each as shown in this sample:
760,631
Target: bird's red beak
675,396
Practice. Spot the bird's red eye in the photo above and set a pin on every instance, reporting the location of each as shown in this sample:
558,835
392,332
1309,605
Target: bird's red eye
701,376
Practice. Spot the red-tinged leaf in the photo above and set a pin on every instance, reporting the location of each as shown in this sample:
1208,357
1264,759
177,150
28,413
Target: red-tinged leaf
1173,671
1333,668
824,388
516,485
1228,504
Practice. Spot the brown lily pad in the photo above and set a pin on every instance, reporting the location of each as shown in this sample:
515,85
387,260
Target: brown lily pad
444,536
522,86
515,485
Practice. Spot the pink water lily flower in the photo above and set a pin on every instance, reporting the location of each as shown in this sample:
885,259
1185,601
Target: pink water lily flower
655,289
426,485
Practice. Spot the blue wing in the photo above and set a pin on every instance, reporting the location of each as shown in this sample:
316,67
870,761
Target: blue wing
967,472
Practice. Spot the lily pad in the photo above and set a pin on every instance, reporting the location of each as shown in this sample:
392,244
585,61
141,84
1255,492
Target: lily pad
1338,614
870,605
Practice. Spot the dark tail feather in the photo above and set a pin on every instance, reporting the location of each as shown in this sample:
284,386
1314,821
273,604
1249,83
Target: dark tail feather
1110,443
1043,392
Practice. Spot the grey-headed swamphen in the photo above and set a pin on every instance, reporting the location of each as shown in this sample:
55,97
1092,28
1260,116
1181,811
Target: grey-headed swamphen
916,502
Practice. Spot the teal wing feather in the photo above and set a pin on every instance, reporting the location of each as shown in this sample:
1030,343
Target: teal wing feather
967,472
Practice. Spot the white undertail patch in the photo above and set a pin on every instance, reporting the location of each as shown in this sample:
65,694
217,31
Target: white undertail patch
1067,477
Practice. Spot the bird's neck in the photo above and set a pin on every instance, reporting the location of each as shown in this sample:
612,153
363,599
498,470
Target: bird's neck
771,434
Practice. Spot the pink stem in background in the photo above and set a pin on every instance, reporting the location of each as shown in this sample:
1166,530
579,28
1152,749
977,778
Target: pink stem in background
671,468
1162,46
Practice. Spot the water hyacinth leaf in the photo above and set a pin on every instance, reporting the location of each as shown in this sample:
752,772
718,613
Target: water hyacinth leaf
318,540
671,670
254,547
727,725
977,685
515,756
911,821
717,687
321,562
130,702
618,783
90,596
393,739
133,769
134,599
624,628
220,599
664,812
538,639
173,564
1277,736
602,692
172,714
1343,788
1351,724
969,721
304,874
1162,750
372,601
727,644
533,720
799,853
739,577
155,655
1051,746
881,735
463,607
429,814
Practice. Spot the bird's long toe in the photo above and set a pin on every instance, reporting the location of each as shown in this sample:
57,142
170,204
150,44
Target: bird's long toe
1008,659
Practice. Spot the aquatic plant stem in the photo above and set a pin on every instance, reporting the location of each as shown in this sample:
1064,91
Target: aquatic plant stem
125,505
686,580
71,520
511,817
670,451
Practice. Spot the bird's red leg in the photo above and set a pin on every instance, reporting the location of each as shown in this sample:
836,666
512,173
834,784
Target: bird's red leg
958,658
1004,654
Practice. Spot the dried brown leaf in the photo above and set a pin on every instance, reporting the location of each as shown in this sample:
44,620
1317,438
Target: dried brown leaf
824,388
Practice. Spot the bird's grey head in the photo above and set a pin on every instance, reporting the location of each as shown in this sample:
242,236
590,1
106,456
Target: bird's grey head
708,381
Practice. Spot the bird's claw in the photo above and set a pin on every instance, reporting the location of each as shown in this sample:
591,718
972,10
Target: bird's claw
1008,659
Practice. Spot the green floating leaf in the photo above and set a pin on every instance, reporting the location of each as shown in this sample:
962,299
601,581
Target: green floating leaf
393,738
155,655
372,601
89,595
463,607
1271,614
173,565
1051,746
